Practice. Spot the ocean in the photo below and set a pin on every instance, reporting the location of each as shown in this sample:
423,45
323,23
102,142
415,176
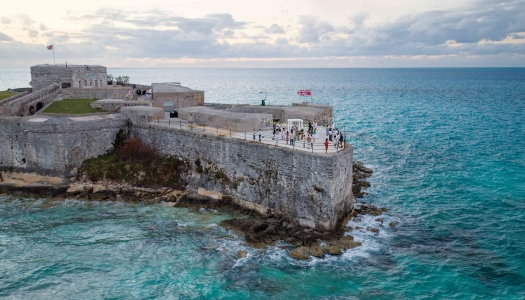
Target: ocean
448,151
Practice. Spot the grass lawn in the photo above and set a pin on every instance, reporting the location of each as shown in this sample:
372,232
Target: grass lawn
6,94
73,107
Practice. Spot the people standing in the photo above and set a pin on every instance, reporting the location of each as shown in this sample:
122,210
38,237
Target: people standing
326,146
259,135
287,137
292,138
254,134
309,139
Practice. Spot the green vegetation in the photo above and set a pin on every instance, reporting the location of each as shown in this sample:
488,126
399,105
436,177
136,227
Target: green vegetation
72,106
6,94
135,163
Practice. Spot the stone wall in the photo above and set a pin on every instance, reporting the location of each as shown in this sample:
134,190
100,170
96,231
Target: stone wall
179,99
283,113
30,103
110,92
115,105
76,75
314,189
309,188
224,119
55,146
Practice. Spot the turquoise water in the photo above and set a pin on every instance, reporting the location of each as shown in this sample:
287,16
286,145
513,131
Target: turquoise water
447,147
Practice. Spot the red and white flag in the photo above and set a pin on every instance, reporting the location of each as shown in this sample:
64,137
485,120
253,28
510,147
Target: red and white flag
304,93
50,47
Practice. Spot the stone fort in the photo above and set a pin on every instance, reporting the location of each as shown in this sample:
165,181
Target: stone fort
311,188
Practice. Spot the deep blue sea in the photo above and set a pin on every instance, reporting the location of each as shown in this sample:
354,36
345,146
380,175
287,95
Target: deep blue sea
448,150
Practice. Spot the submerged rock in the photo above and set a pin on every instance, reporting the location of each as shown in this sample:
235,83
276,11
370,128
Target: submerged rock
241,254
392,224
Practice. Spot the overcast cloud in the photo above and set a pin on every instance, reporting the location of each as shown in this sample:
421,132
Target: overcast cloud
487,28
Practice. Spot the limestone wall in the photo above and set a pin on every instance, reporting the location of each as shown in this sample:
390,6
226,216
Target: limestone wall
310,188
55,146
76,75
314,189
110,92
179,100
224,119
115,105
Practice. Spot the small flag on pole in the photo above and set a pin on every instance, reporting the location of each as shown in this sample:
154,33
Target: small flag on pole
50,47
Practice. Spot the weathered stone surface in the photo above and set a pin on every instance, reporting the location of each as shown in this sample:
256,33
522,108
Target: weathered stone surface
55,145
241,254
332,249
300,253
392,224
284,179
310,188
316,250
76,75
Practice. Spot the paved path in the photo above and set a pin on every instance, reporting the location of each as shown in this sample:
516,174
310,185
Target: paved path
267,135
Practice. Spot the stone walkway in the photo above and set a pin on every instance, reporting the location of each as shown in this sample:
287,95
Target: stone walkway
267,135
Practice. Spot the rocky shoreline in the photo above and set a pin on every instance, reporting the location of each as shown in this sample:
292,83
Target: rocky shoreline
259,231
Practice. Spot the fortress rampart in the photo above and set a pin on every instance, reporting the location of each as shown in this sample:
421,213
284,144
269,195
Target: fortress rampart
312,188
55,146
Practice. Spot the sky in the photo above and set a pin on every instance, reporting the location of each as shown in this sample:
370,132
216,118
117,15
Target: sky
269,33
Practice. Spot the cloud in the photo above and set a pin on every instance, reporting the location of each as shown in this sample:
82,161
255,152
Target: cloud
31,32
5,20
281,41
474,29
274,29
5,37
312,29
26,20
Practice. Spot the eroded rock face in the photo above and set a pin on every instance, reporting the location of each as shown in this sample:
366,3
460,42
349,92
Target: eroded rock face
359,182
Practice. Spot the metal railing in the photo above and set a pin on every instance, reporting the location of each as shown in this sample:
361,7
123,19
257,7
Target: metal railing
267,137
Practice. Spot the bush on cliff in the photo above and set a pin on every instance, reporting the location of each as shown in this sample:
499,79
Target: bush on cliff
136,163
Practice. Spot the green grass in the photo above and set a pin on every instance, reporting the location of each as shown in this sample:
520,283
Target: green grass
6,94
73,107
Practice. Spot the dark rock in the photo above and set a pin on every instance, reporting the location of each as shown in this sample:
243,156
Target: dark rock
300,253
379,220
332,249
316,250
241,254
392,224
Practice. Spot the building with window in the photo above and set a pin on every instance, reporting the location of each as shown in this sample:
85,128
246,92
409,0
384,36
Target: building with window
79,76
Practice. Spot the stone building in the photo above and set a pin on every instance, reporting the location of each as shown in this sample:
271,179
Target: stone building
173,95
79,76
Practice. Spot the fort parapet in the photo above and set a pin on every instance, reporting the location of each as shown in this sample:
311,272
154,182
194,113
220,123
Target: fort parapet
313,189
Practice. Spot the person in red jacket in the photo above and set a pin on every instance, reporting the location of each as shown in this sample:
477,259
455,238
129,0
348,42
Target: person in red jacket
326,146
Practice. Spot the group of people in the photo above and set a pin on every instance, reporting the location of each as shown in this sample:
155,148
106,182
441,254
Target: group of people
334,136
309,137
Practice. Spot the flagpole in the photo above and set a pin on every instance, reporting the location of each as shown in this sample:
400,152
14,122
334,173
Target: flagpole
54,55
